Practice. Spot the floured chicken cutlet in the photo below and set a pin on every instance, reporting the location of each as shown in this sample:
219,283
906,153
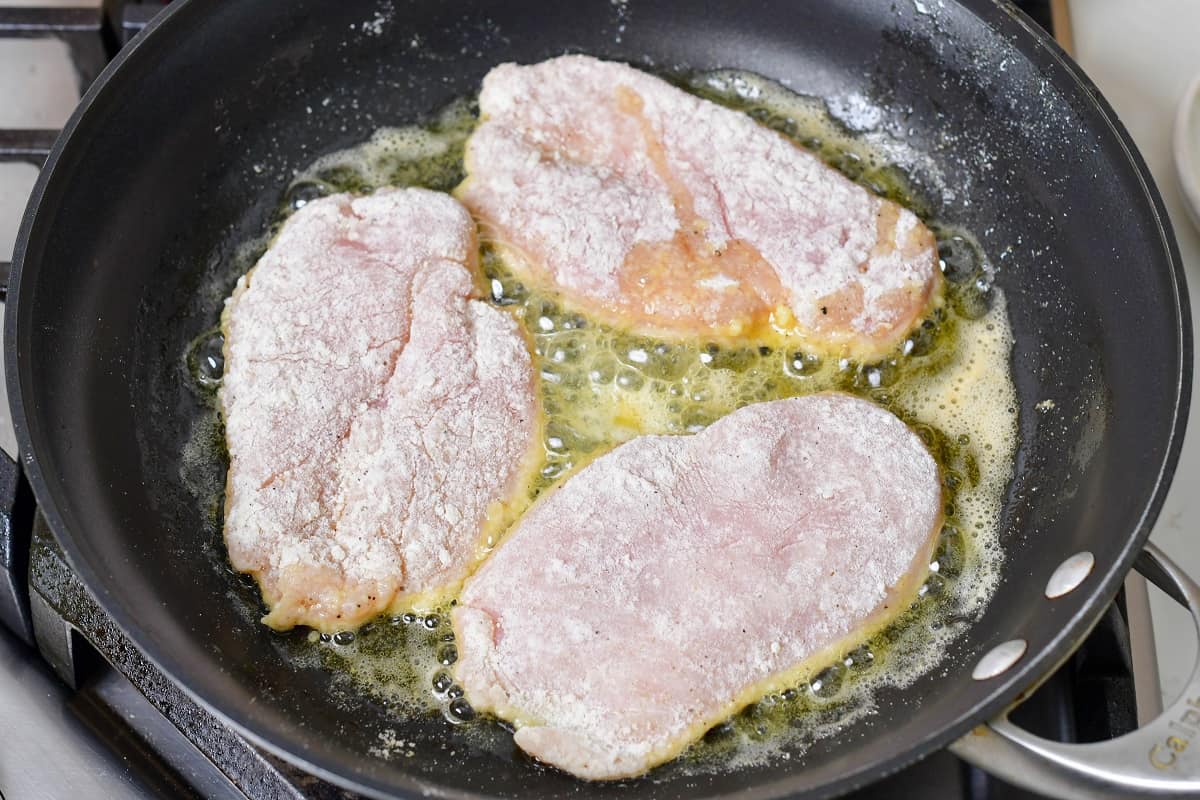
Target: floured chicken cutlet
377,415
676,579
654,209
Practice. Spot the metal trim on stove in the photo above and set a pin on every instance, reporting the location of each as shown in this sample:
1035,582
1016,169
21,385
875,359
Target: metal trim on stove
69,628
30,145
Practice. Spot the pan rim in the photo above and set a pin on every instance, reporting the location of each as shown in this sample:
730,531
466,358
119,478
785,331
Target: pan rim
284,744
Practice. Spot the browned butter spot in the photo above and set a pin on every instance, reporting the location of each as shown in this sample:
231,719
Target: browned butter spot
688,279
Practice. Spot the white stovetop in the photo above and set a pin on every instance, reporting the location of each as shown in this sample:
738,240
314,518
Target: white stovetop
1142,55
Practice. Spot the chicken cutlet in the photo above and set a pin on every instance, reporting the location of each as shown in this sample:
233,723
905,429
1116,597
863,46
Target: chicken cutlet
678,578
378,417
658,211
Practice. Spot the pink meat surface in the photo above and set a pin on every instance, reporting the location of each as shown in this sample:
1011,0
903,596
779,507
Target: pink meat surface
664,585
654,209
375,413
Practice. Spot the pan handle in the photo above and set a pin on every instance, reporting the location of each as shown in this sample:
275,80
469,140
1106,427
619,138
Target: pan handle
1160,759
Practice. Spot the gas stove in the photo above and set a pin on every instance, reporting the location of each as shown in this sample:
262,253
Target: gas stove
76,693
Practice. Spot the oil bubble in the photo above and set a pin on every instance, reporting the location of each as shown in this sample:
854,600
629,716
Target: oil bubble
934,586
656,360
460,710
603,371
850,165
346,178
508,294
828,682
875,376
860,658
432,621
975,300
959,259
722,732
950,555
565,349
920,341
301,193
735,359
572,322
206,359
442,682
554,469
697,420
630,380
343,638
801,365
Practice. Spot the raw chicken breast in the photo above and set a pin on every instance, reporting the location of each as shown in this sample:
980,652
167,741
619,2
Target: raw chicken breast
655,210
378,418
676,579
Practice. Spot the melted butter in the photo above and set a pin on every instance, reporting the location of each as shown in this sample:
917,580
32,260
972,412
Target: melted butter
429,155
950,380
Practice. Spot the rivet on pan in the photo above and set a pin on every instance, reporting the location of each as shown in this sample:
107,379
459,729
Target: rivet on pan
1070,574
999,659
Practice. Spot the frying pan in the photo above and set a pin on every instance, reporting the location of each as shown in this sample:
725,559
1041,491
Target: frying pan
182,150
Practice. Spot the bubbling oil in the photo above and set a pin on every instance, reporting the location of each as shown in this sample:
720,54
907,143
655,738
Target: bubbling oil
429,155
950,380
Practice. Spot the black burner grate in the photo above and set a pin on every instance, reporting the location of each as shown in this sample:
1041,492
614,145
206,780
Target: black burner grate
92,36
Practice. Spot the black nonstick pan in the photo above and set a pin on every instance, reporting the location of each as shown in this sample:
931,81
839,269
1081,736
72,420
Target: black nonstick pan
182,150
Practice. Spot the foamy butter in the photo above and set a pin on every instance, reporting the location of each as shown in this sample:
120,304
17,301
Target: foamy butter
951,380
410,155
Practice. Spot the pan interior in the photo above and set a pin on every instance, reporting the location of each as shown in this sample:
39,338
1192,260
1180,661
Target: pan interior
184,154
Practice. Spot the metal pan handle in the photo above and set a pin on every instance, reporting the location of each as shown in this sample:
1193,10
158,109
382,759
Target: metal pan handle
1160,759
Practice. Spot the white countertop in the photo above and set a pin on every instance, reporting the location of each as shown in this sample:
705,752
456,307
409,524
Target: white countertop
1143,56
